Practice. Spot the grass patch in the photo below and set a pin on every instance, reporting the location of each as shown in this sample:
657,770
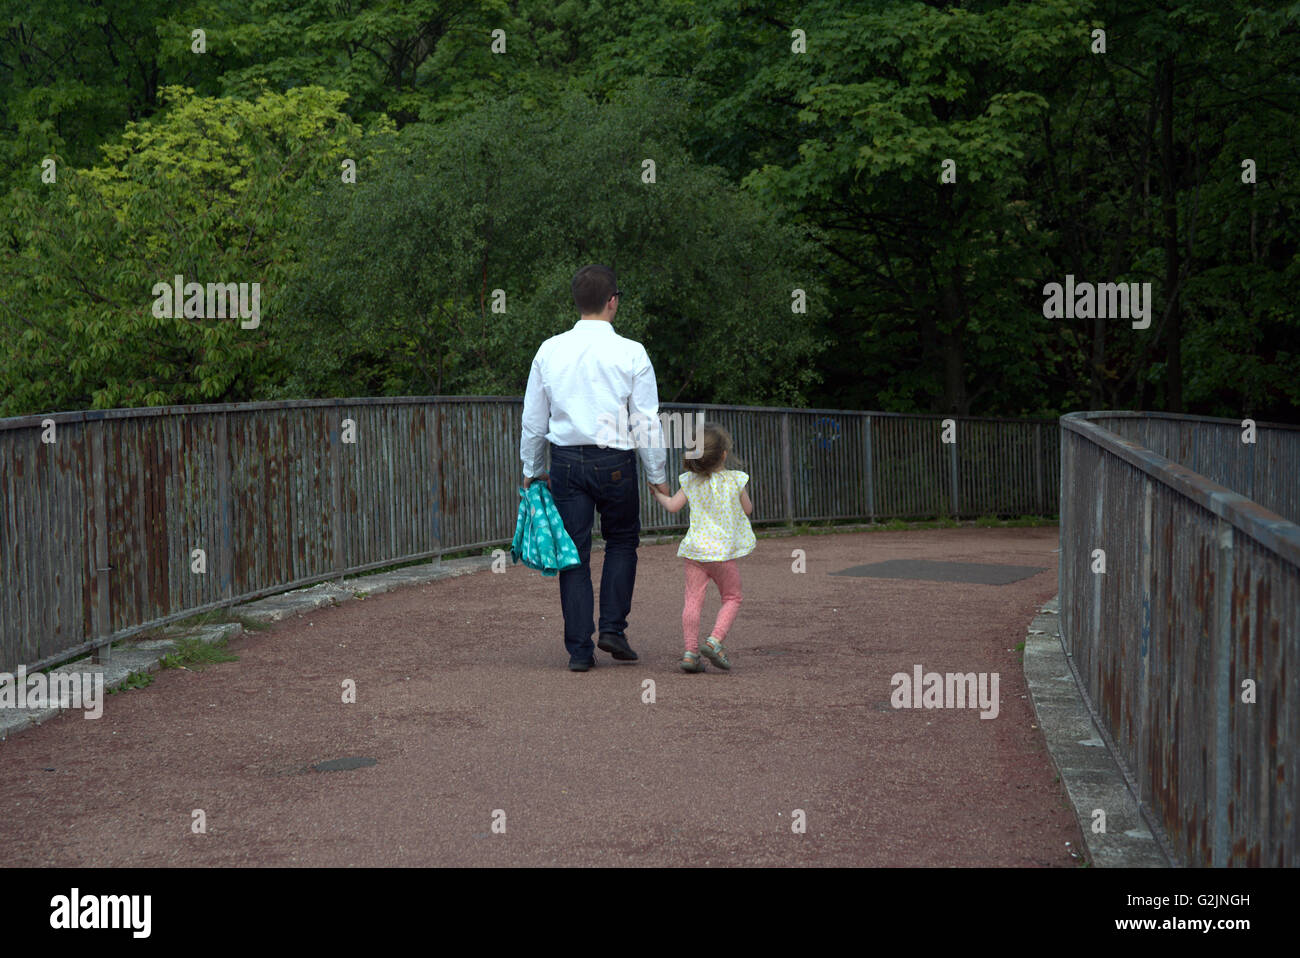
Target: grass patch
194,655
195,622
1026,521
193,625
136,680
250,624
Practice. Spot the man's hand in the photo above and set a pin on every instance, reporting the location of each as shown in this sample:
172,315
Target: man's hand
543,477
671,503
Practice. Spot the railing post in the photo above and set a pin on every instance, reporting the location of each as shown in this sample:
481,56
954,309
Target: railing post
1040,502
103,571
1250,470
225,506
336,489
787,469
870,469
1144,650
435,416
1065,581
1223,692
1099,541
952,468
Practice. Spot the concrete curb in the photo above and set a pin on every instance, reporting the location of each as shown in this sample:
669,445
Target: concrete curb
1091,776
125,661
276,608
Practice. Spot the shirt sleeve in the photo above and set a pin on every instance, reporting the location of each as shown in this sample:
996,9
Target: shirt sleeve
644,408
536,423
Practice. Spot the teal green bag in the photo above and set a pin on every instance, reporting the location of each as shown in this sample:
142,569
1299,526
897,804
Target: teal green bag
541,542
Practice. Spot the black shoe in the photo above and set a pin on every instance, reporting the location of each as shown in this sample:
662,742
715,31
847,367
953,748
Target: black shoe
581,665
617,646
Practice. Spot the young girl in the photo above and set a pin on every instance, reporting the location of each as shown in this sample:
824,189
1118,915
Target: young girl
719,535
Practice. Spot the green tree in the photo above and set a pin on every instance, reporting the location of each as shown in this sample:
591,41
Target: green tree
1114,166
210,189
421,59
1143,179
398,293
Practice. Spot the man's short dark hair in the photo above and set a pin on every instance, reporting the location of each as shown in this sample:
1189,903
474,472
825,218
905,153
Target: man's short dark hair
592,288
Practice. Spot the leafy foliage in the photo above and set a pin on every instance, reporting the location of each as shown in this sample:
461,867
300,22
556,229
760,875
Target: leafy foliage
399,294
208,190
776,168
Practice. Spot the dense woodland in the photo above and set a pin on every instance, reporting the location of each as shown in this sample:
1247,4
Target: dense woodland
795,146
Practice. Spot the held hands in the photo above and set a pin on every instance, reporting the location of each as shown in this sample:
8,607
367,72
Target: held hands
660,491
671,503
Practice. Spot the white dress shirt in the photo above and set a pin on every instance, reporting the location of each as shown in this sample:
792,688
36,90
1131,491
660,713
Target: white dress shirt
591,386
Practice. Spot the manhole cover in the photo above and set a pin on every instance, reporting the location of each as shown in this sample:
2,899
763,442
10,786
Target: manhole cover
345,764
980,573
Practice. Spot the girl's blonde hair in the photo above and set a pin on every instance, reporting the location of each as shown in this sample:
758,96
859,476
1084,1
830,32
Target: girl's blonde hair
714,443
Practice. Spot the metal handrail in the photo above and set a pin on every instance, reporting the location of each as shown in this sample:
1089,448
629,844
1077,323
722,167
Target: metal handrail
1180,611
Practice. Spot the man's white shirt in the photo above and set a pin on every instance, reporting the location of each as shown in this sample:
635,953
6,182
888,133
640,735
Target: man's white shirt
585,382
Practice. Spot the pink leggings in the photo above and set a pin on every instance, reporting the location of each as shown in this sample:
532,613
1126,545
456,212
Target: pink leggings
698,574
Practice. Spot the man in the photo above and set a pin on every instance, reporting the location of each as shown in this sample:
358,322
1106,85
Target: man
582,383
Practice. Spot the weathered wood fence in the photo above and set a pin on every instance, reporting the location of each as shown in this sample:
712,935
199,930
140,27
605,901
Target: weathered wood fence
1189,643
117,521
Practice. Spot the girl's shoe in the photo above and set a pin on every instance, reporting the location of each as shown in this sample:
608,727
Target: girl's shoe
691,662
712,650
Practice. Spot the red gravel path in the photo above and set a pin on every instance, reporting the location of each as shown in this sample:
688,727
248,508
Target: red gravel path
464,699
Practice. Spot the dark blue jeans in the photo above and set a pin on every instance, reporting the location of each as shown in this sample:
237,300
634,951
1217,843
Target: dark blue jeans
583,479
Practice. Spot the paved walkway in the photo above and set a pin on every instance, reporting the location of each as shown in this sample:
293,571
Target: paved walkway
464,700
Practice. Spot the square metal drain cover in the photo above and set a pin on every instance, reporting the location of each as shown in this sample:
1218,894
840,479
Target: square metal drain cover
979,573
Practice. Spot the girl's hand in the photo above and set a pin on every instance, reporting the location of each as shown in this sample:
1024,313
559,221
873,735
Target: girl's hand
671,503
